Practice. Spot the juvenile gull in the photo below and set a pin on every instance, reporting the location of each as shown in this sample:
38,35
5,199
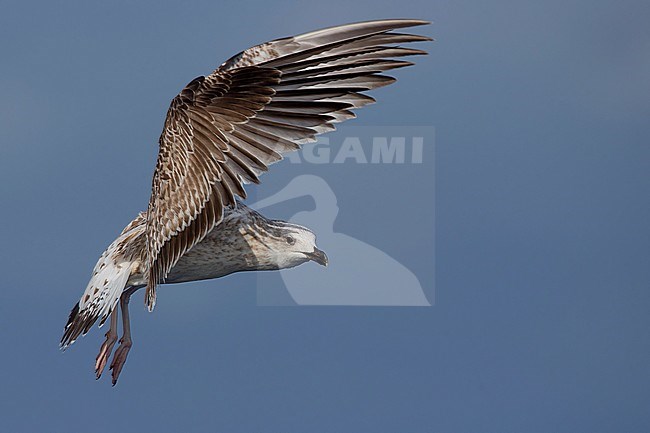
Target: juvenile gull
222,131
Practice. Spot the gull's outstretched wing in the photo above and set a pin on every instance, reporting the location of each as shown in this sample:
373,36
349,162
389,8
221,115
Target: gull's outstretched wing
223,130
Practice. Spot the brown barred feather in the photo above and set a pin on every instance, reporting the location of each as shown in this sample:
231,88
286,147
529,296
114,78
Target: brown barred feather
224,129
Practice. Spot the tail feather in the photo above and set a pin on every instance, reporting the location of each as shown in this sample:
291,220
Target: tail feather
100,297
110,277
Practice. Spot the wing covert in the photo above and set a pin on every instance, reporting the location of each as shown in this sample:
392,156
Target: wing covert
223,130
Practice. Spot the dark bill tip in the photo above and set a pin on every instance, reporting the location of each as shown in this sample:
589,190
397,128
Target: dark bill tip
318,256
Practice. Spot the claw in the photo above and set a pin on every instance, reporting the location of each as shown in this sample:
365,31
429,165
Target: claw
119,359
107,346
104,353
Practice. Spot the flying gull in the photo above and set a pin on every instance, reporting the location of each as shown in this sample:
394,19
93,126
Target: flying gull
222,131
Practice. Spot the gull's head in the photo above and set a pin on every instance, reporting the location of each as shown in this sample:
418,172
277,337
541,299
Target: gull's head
287,245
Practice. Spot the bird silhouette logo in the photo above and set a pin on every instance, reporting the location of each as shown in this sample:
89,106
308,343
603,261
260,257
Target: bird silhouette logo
223,131
358,273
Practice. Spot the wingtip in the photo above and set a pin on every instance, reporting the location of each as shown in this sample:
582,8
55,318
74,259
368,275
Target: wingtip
407,22
150,292
150,301
404,22
150,304
416,21
365,27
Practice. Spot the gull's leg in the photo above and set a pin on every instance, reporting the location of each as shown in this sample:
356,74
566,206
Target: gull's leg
107,346
125,342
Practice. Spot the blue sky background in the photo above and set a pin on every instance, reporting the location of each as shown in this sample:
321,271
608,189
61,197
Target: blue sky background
540,321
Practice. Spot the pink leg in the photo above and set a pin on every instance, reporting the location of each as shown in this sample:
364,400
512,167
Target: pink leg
107,346
125,342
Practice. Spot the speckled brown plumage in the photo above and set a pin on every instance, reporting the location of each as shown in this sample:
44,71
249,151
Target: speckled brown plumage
221,132
224,129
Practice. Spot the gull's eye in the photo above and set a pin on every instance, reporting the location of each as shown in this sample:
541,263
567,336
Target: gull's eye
290,240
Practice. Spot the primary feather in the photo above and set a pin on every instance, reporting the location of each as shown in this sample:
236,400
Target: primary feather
223,130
